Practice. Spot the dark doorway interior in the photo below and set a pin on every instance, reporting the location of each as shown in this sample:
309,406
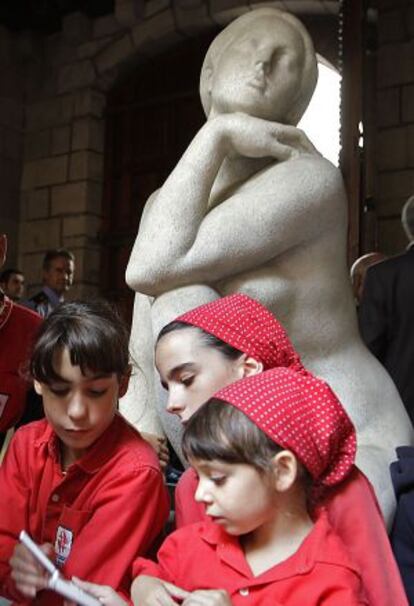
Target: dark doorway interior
152,115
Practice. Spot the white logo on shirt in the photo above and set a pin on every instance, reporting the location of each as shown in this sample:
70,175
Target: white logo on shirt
63,544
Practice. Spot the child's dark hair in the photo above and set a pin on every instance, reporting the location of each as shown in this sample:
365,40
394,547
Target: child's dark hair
209,340
93,333
220,431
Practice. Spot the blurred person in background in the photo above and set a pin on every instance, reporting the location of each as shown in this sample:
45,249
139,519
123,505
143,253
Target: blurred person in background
58,273
12,283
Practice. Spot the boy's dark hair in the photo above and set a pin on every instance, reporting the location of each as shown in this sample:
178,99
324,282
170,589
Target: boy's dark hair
209,340
93,333
56,253
220,431
7,274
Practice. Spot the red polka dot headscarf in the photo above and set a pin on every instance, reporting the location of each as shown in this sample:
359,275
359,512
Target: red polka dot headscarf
301,413
248,326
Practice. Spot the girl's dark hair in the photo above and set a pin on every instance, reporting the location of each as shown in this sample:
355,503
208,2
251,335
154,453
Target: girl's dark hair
209,340
94,335
220,431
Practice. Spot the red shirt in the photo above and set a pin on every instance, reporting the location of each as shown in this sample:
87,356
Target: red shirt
203,556
17,328
354,514
105,511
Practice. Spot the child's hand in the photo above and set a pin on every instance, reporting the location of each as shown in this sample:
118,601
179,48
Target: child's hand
104,593
208,597
29,576
150,591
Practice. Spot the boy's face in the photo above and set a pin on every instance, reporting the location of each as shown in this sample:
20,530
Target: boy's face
236,496
79,407
14,287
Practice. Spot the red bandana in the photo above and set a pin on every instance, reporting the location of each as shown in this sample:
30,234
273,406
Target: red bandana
302,414
246,325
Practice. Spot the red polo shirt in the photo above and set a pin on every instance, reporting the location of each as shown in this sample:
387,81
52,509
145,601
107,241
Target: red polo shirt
354,514
104,511
18,326
203,556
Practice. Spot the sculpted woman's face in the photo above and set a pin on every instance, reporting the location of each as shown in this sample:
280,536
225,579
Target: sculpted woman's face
260,71
192,371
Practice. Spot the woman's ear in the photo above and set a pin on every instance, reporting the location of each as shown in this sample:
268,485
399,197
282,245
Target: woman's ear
251,366
38,388
285,469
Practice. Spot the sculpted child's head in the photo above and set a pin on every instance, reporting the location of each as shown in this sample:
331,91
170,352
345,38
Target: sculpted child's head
262,64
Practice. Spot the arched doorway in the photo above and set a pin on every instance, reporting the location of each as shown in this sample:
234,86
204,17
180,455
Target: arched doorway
151,118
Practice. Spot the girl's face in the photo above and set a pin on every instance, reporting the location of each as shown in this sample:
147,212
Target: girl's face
191,371
79,407
236,496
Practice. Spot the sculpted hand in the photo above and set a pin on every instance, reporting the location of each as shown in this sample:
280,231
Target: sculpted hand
159,444
29,576
256,138
208,597
150,591
104,593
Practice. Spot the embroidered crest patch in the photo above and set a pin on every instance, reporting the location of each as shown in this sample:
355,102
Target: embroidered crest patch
63,544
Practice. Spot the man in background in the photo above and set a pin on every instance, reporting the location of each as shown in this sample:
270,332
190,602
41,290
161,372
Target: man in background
386,313
58,272
12,284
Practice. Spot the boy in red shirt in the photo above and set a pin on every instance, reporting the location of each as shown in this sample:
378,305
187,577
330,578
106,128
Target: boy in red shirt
81,482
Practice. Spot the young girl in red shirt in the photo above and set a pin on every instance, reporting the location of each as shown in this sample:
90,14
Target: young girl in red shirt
265,449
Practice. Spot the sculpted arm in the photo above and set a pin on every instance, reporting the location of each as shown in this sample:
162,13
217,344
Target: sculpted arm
181,241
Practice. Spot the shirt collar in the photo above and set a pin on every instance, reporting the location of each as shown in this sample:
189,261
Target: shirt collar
321,542
227,547
52,295
100,452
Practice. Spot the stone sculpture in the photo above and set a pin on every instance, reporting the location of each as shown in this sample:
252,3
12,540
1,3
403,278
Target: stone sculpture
253,207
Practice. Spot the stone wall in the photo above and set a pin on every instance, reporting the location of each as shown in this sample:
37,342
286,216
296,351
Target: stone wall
69,76
63,153
395,119
12,71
